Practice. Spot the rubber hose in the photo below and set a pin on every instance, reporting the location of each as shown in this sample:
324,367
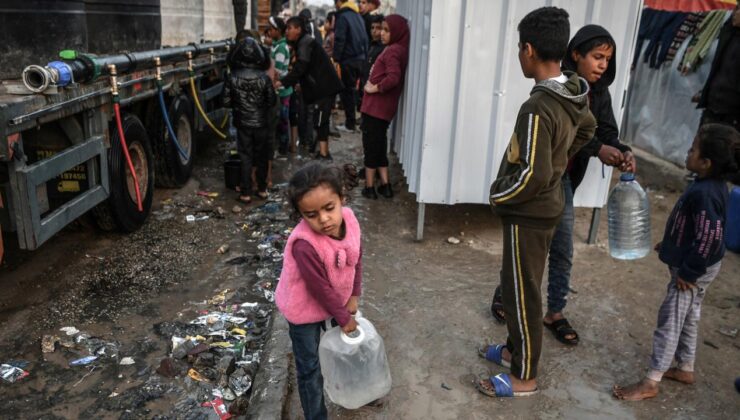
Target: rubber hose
166,117
226,119
202,112
117,109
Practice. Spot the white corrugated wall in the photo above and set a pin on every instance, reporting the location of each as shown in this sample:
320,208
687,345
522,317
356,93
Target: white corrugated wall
464,87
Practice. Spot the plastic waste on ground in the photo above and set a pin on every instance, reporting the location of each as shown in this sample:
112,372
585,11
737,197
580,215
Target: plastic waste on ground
355,367
629,220
12,374
83,361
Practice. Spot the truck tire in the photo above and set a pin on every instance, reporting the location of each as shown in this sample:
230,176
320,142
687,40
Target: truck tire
172,169
119,211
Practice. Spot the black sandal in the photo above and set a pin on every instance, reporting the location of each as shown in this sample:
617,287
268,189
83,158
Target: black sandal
497,307
561,329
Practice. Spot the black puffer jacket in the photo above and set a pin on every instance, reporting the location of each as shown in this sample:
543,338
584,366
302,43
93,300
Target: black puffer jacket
313,70
600,104
249,90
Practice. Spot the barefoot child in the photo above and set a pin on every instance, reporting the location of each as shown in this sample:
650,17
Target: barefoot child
322,274
692,247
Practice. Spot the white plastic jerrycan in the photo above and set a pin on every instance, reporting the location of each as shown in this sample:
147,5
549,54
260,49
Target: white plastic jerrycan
354,366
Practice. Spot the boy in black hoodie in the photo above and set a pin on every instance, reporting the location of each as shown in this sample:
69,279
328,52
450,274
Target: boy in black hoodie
249,91
591,53
551,126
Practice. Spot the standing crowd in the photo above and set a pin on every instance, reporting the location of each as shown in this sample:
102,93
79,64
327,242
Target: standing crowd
281,94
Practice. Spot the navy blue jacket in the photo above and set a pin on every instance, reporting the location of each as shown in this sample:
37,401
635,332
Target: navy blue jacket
350,38
694,234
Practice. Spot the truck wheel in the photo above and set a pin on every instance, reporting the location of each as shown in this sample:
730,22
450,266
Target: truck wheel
172,168
120,210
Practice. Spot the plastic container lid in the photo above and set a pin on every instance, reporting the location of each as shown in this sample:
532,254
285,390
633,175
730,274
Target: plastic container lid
355,336
627,177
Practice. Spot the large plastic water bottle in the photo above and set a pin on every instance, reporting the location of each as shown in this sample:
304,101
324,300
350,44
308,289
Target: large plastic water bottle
355,366
629,220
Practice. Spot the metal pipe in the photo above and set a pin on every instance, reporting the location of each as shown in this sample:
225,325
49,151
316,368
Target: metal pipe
86,67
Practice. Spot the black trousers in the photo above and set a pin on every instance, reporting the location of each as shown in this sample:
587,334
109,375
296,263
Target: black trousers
351,73
375,141
253,146
712,117
321,115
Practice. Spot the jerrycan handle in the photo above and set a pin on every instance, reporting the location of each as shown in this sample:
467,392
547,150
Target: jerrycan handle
355,337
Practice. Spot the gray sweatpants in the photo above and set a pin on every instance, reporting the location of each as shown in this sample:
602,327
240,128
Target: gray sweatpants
678,325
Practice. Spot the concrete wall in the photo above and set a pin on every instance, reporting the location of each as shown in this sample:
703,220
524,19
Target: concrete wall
185,21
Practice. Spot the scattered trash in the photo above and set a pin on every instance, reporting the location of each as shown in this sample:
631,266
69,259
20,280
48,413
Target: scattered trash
48,343
236,209
12,374
732,333
191,218
70,330
223,249
170,368
113,394
240,382
193,374
126,361
659,197
219,407
207,194
453,240
83,361
445,386
710,344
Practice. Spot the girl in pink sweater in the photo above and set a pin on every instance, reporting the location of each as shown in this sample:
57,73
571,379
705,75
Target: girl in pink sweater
322,274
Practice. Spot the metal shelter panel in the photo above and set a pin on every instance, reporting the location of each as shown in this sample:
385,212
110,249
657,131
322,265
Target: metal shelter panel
464,87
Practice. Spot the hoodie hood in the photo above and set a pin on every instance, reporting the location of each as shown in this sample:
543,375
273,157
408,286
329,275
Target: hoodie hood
250,54
350,5
585,34
399,30
572,95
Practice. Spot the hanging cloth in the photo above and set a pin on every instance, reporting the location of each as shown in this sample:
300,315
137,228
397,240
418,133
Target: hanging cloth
688,28
701,43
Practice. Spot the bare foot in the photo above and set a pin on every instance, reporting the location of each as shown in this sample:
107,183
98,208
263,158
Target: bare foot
642,390
680,376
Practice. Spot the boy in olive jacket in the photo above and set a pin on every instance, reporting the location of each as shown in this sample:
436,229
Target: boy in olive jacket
551,126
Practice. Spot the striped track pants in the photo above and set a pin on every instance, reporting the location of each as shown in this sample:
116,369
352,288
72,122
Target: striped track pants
525,255
678,324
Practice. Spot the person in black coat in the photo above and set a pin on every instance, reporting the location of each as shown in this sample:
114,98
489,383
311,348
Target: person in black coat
720,97
350,52
591,53
319,83
250,93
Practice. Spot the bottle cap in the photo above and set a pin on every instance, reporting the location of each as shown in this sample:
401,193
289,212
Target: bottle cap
627,177
355,337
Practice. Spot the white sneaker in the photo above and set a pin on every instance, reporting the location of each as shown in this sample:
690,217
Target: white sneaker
343,128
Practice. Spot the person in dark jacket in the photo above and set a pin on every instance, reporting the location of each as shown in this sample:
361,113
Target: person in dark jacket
376,47
369,11
311,27
591,53
250,93
318,80
720,97
382,92
350,52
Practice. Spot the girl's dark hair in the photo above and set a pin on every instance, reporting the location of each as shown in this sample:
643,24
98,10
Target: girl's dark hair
585,47
310,177
721,144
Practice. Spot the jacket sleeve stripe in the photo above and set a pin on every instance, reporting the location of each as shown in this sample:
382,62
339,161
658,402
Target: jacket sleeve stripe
526,174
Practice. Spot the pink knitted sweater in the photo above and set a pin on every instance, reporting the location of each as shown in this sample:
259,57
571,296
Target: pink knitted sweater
340,258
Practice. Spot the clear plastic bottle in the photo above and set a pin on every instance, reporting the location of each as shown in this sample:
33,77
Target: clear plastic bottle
355,367
629,220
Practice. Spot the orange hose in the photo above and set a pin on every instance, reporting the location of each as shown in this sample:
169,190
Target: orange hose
117,110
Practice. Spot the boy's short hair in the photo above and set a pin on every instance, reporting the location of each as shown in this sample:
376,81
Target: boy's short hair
376,19
296,22
547,29
330,16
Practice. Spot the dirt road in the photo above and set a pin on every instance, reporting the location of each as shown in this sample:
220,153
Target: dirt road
429,300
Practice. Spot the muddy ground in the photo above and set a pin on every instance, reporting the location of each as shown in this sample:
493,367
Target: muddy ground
429,301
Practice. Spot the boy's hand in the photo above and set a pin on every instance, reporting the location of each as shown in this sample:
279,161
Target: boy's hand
278,84
351,326
610,155
696,98
629,164
352,305
371,88
657,246
682,284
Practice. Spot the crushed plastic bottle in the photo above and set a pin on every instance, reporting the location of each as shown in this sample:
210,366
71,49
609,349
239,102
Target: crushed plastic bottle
629,220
